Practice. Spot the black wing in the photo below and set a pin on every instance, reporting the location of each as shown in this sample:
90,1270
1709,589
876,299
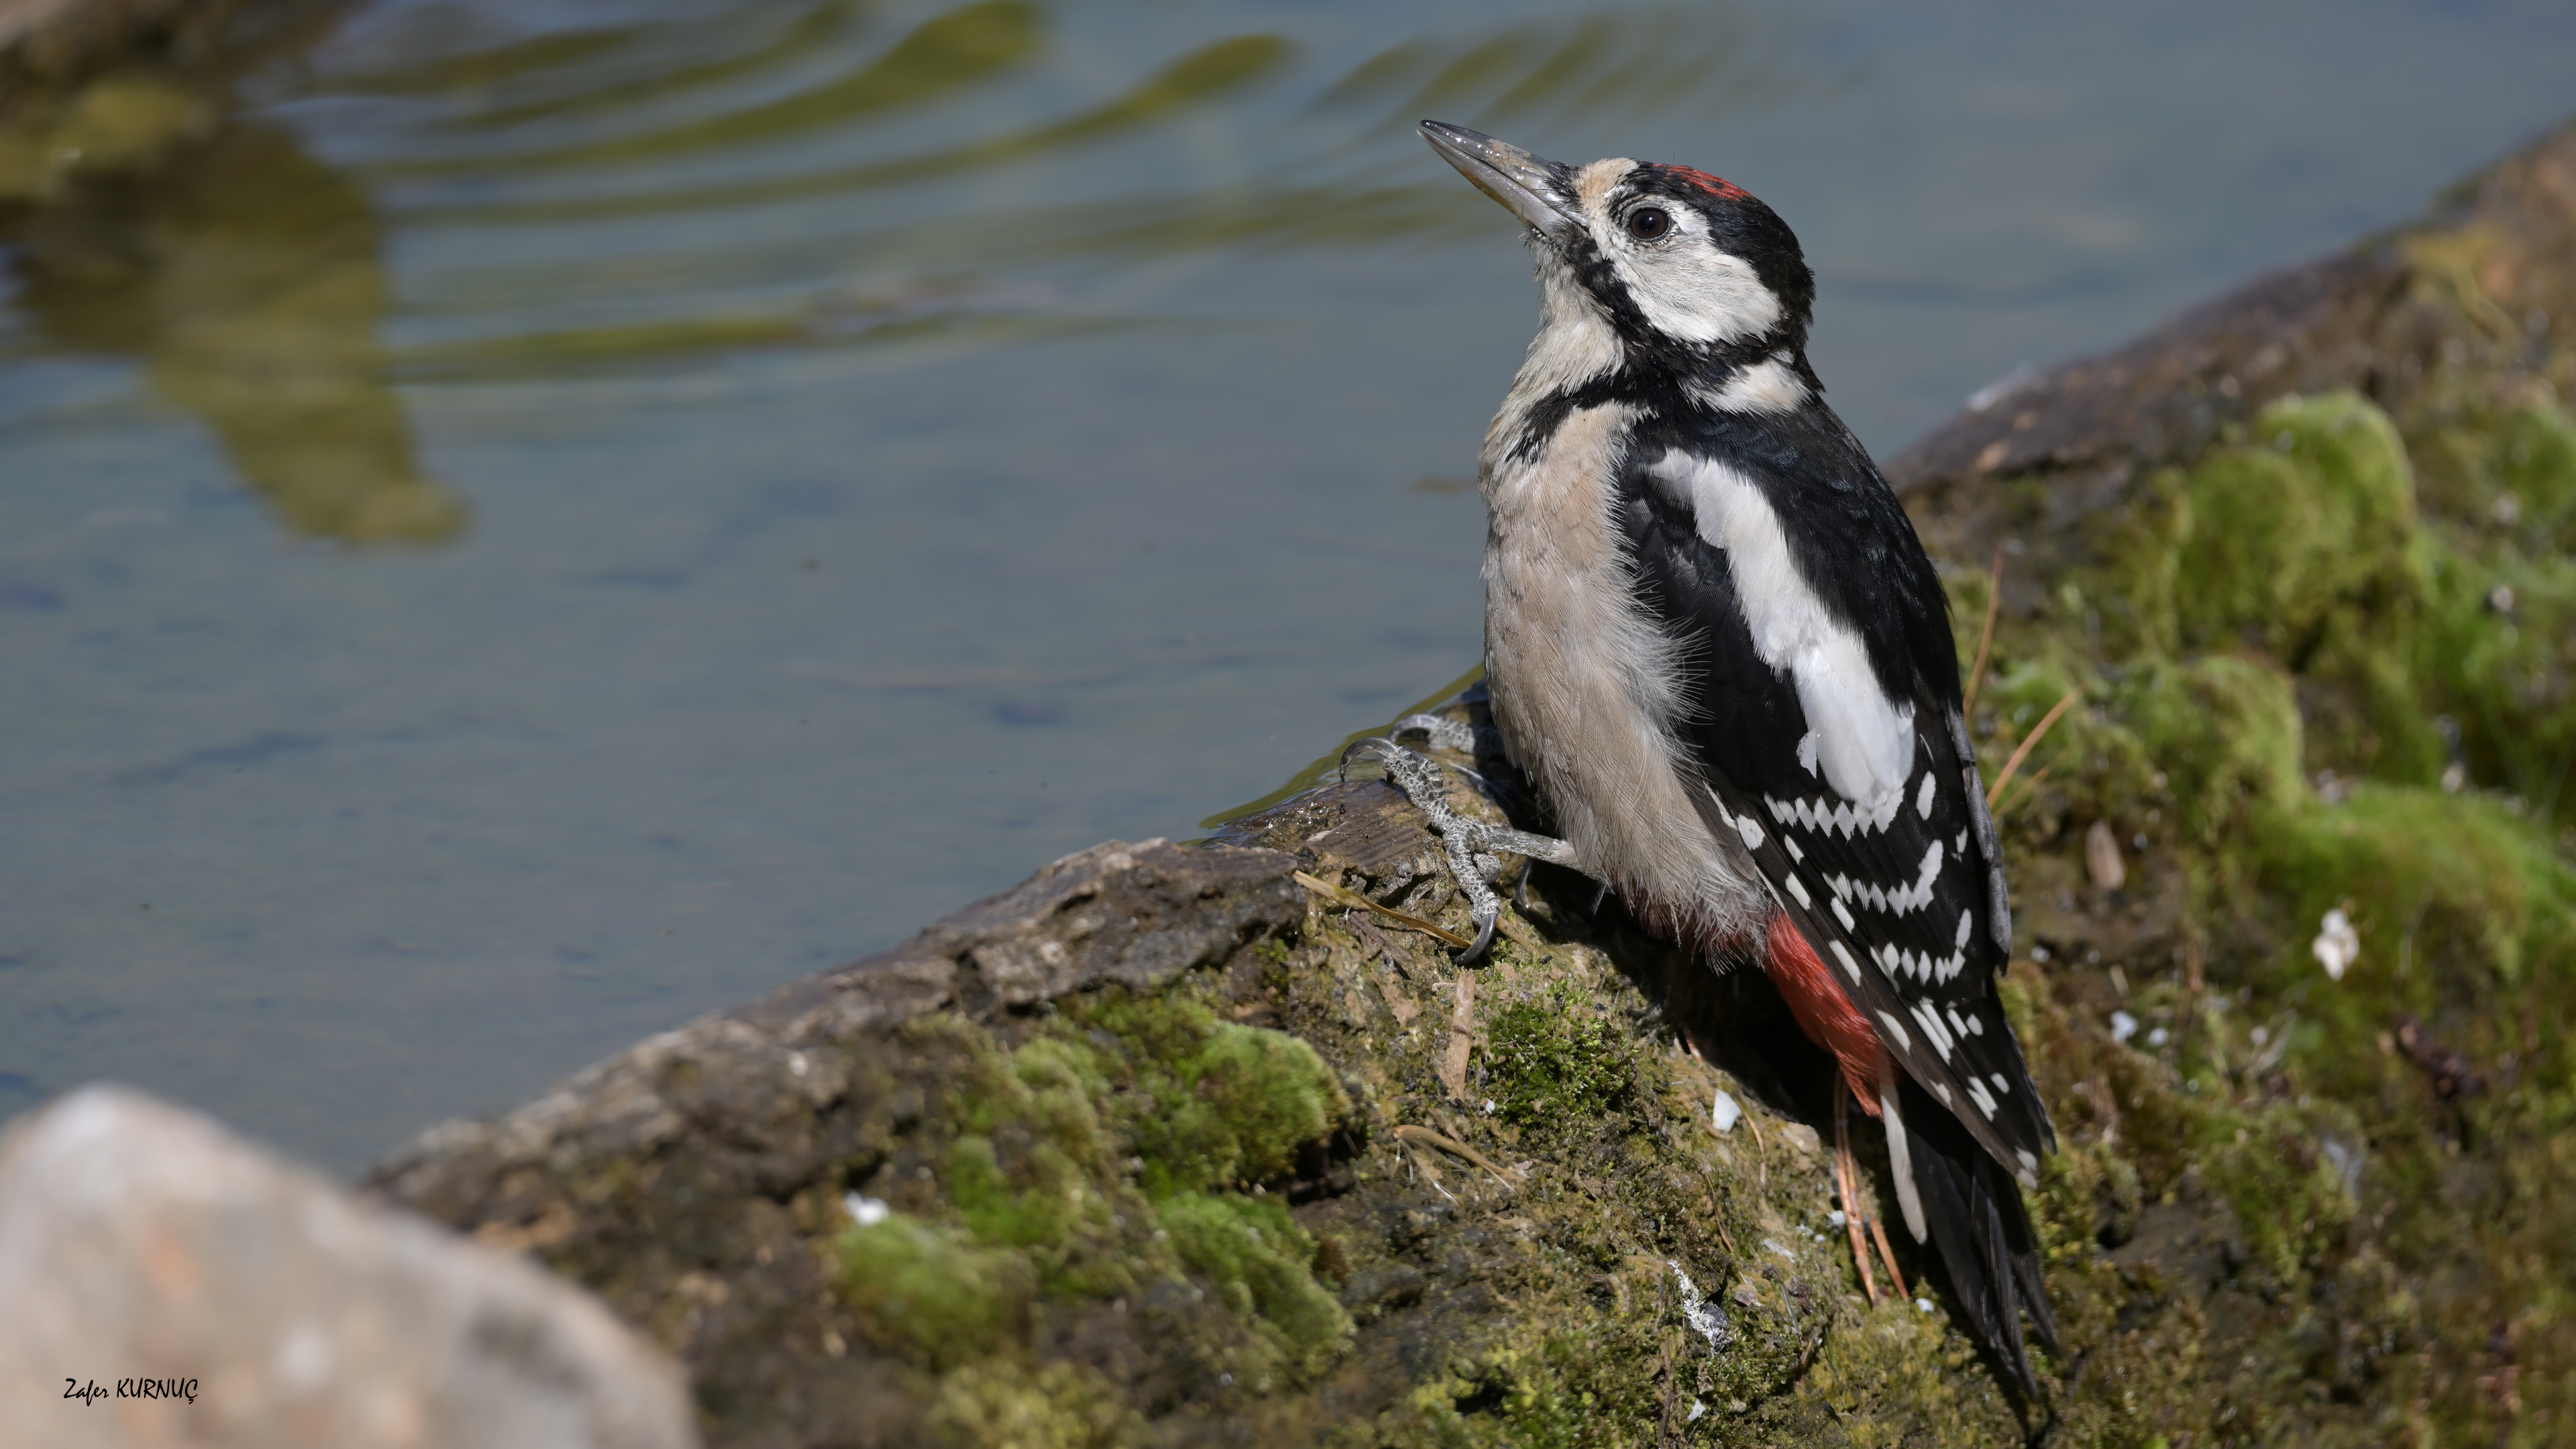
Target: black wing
1906,903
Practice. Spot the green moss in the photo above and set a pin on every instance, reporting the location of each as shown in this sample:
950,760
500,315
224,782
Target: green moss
2226,733
2494,656
1058,1406
2510,471
1556,1056
1901,1376
1088,1162
931,1293
1209,1103
1556,1393
1261,1264
2282,1168
2447,894
2318,511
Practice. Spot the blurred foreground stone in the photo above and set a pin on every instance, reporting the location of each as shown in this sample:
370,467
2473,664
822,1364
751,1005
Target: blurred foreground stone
210,1293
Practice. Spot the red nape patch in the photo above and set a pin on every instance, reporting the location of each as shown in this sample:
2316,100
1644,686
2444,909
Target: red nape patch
1717,186
1824,1013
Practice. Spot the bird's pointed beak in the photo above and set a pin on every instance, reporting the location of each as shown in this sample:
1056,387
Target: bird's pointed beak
1538,191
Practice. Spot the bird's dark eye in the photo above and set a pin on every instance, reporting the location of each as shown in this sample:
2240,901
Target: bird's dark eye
1649,222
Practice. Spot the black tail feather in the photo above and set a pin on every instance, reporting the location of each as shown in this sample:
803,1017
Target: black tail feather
1982,1230
1974,1210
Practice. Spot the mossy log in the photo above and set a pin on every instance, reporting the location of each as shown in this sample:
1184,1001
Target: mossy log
1211,1144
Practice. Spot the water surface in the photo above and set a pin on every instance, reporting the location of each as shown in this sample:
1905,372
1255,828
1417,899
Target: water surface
550,518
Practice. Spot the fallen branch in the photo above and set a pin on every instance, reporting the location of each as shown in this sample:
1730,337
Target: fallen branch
1343,895
1425,1137
1995,791
1985,637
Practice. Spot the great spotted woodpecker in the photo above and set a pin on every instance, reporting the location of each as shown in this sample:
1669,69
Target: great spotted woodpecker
1716,647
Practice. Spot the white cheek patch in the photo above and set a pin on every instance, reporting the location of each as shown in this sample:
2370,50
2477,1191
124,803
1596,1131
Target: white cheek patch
1864,741
1686,287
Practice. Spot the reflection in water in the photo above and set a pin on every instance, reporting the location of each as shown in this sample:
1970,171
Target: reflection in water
656,192
247,277
610,148
941,56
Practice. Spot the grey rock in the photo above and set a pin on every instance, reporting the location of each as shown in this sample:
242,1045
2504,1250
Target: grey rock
218,1295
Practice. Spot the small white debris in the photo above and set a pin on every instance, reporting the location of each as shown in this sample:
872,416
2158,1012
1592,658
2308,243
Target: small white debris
2455,778
867,1212
2337,943
1489,1106
2507,509
1923,1304
1774,1245
2123,1027
2039,954
1702,1315
1835,1217
2500,599
1723,1113
2159,1037
2261,1035
1697,1409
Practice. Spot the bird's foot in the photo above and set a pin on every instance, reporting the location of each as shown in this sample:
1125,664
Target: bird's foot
1471,845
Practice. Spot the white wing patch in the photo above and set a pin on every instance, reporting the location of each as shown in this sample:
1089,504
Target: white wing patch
1923,797
1865,741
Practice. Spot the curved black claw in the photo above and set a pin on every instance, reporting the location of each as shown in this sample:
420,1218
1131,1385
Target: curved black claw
1378,745
1445,733
1475,952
